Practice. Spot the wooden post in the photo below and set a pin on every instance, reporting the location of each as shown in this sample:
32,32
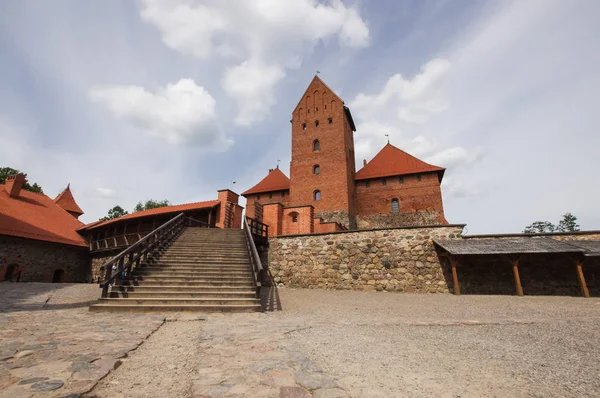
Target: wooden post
515,265
209,216
453,263
584,289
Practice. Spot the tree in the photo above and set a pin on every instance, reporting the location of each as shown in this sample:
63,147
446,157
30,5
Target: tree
150,204
115,212
568,224
540,227
5,172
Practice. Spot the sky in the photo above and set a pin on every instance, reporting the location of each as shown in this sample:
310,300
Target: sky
175,99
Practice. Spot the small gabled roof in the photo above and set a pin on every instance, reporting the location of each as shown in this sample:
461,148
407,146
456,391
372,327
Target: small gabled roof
66,200
274,181
176,209
35,216
392,161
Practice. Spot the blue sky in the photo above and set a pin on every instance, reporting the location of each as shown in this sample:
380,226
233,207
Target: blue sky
174,99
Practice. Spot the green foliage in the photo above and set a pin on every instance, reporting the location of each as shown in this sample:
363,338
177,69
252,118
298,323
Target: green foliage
151,204
115,212
8,171
567,224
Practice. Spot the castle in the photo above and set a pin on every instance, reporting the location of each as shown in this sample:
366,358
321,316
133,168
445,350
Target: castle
325,193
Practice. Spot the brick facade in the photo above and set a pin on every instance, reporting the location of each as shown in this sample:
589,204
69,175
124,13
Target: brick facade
32,260
323,176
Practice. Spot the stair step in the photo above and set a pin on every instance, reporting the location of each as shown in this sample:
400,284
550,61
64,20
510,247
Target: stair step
185,282
179,288
179,301
233,269
199,263
188,275
249,294
178,308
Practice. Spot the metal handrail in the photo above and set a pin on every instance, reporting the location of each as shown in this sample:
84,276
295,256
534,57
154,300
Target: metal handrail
139,249
257,268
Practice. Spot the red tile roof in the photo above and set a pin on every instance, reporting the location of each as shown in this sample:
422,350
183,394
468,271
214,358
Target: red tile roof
36,216
274,181
153,212
391,161
66,200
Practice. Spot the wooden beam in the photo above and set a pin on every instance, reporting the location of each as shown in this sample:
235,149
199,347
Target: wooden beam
584,289
453,264
515,265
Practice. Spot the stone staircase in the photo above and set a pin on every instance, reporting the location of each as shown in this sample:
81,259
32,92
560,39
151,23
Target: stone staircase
204,270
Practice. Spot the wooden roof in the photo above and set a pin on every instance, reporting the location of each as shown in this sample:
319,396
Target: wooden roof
35,216
592,246
508,246
153,212
392,161
274,181
66,200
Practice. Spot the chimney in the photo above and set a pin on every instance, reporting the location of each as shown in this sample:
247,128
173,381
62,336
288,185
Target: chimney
364,162
14,184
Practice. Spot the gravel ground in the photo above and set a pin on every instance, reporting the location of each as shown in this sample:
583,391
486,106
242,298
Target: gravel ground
323,344
161,367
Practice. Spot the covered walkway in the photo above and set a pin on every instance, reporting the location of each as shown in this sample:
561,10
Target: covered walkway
513,250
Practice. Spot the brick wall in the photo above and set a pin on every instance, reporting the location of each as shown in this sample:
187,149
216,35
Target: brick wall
420,201
37,260
304,223
225,196
335,156
265,198
322,227
272,216
402,259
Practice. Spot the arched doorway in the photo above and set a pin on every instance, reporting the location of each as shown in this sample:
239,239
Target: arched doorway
12,273
58,276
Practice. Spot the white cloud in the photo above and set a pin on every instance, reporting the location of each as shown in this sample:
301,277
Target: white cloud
181,113
261,39
105,192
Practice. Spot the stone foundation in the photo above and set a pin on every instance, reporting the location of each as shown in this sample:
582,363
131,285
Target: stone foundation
388,259
395,220
36,261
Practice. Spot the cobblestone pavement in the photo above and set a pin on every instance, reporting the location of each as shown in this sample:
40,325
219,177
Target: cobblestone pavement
51,345
323,344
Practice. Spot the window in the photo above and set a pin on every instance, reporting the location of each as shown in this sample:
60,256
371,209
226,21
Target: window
308,110
316,146
401,180
419,178
316,109
316,123
395,205
325,106
316,169
294,218
303,126
317,195
330,120
383,182
367,184
270,195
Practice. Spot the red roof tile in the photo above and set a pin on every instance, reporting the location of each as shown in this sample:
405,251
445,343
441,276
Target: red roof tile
66,200
274,181
36,216
153,212
391,161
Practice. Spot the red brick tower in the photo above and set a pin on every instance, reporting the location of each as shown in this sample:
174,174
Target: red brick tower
322,167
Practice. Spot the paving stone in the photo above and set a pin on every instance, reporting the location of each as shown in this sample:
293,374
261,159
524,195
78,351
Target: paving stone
293,392
47,385
32,380
331,393
23,354
77,366
314,380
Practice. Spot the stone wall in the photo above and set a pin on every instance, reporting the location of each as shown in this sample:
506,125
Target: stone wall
97,261
341,217
37,260
401,259
391,220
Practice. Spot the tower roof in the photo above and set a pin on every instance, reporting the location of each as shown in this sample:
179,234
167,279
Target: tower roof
66,200
274,181
392,161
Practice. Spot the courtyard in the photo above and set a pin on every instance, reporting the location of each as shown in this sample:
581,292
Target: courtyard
322,344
